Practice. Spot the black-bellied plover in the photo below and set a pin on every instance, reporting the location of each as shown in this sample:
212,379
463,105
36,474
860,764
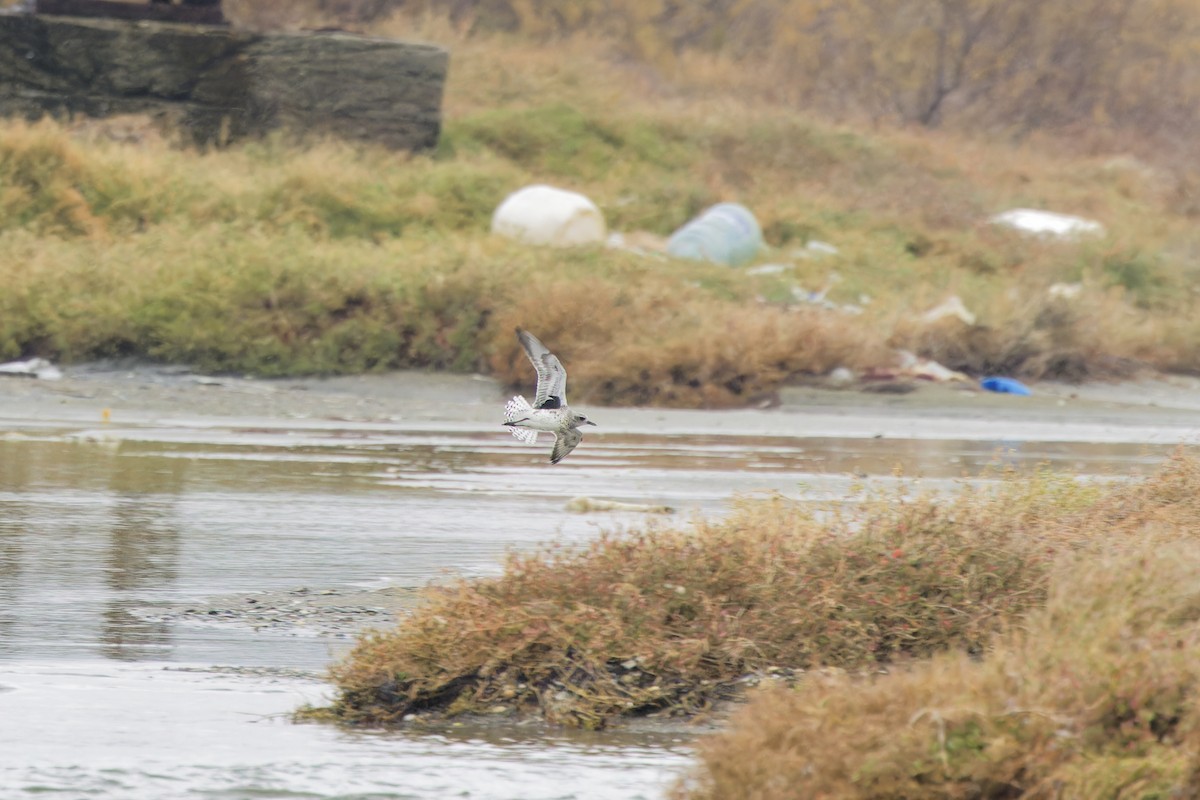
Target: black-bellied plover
549,411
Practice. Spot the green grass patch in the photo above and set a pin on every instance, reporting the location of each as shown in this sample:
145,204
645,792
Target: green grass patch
274,259
563,141
271,301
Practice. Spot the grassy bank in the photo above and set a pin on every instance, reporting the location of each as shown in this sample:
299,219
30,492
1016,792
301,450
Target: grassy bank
275,258
1093,696
672,621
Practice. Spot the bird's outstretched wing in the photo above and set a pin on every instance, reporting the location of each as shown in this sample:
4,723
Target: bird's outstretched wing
552,378
565,442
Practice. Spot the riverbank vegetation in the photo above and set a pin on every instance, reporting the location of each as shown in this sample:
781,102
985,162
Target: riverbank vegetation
1092,695
672,621
276,258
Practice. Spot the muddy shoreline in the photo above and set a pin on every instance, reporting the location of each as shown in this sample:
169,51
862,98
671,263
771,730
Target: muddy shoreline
329,613
137,394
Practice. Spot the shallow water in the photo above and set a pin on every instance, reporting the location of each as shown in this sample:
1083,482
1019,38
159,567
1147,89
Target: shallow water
101,696
164,731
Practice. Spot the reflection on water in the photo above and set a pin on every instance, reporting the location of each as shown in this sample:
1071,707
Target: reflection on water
14,473
143,553
96,533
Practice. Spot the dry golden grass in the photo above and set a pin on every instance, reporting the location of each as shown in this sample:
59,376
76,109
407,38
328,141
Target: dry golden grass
650,342
1093,336
1092,696
671,621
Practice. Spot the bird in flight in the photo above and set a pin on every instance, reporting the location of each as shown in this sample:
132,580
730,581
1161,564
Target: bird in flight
549,411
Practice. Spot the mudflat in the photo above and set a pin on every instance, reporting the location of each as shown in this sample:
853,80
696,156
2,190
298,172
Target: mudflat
1157,409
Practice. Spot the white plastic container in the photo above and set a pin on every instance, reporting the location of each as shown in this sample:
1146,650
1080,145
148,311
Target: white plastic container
541,214
727,233
1048,223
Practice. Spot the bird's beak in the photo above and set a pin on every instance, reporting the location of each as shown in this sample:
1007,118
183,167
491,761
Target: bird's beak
589,422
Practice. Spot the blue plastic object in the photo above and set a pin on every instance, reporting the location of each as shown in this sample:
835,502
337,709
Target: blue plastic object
1005,386
727,233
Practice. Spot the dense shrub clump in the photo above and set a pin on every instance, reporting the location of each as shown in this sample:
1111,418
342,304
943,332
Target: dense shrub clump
672,621
1093,695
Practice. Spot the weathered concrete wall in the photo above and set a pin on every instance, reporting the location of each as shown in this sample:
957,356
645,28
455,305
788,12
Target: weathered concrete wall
223,84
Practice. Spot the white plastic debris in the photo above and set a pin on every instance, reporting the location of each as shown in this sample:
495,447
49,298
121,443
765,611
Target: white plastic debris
820,297
769,269
927,369
930,370
814,248
1064,291
817,298
38,368
540,214
1048,223
642,243
840,377
952,307
823,248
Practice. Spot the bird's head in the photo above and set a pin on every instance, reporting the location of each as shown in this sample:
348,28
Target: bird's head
580,419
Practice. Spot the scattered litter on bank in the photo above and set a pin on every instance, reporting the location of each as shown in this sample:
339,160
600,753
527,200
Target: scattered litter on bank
642,243
1064,291
840,377
1005,386
820,297
952,307
38,368
1048,223
815,247
927,369
769,269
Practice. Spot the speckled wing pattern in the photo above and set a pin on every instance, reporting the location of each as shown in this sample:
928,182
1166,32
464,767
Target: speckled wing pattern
552,378
515,409
564,442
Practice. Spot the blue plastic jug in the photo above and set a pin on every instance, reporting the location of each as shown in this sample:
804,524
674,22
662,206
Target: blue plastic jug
727,233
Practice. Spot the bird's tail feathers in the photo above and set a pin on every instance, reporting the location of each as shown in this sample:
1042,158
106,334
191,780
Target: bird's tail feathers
516,409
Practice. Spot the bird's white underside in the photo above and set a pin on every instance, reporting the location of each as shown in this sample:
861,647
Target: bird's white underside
530,420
